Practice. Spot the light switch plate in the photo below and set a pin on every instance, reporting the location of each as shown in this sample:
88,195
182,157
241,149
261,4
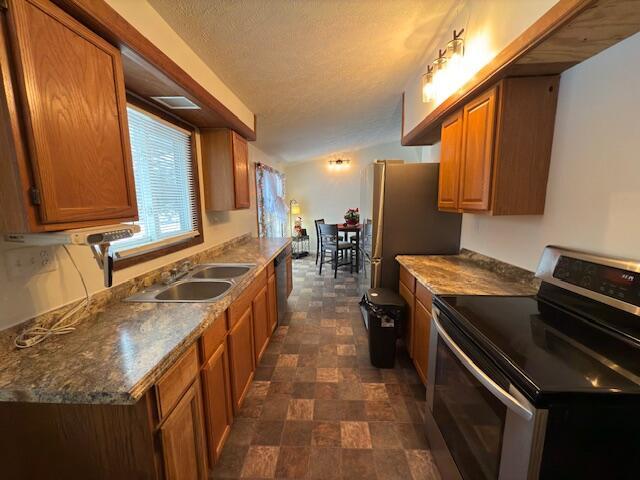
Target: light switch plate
29,261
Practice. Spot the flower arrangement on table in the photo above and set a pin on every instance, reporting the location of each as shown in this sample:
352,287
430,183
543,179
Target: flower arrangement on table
297,226
352,217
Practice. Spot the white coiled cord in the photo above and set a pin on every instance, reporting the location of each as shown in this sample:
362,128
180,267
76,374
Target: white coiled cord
36,334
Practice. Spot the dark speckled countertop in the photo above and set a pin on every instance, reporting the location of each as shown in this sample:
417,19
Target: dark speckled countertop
469,273
114,356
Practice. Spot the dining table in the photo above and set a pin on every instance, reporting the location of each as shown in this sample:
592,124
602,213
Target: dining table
353,228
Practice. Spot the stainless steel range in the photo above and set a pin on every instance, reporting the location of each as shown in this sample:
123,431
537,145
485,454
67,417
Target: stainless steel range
540,387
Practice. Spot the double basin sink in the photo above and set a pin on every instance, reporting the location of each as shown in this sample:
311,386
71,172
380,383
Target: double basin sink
205,283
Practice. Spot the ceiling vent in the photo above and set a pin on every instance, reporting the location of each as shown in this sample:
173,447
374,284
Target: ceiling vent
177,103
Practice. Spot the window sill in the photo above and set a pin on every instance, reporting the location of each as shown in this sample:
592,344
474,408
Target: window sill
122,263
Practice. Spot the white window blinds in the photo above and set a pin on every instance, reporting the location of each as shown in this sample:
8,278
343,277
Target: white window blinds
165,187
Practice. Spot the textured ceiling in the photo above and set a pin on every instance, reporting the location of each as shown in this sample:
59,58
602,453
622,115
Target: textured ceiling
321,75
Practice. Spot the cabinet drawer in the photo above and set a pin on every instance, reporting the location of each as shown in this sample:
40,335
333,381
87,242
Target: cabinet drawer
424,295
213,336
407,279
175,382
271,269
240,305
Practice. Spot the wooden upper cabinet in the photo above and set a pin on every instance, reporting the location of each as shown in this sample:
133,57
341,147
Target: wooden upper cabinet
505,149
70,97
241,171
450,162
477,146
226,169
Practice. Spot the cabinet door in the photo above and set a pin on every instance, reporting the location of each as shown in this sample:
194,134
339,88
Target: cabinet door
241,171
478,127
218,400
272,293
183,441
422,323
449,178
242,357
289,276
261,330
406,294
72,94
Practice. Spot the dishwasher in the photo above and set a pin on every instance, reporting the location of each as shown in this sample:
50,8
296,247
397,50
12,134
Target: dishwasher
280,264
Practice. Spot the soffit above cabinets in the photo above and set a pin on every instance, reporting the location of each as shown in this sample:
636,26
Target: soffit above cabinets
569,33
150,73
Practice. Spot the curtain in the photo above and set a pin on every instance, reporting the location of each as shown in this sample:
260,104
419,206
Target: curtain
272,208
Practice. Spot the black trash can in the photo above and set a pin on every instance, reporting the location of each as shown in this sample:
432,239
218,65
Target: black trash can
382,312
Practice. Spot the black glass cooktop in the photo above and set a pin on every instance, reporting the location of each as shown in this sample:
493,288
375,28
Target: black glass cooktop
546,351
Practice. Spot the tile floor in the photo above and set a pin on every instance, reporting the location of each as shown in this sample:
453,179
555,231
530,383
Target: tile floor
317,409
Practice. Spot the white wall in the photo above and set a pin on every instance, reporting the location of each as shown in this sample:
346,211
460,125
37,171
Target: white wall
325,193
25,297
593,194
489,26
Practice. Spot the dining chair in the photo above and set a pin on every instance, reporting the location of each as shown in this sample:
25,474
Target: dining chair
318,222
330,243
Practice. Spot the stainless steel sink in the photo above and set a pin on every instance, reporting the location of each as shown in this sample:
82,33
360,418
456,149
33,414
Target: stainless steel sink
222,271
193,291
205,283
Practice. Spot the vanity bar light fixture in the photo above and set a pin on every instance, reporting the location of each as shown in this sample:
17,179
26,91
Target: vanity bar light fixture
339,163
432,80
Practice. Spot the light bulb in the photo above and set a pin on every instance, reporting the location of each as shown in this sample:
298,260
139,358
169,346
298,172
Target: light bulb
427,86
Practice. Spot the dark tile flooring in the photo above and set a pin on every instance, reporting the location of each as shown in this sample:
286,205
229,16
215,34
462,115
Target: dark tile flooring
317,408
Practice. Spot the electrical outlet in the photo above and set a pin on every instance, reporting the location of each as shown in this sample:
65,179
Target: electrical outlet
26,262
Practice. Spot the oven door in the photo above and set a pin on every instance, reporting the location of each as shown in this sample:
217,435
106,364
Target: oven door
479,426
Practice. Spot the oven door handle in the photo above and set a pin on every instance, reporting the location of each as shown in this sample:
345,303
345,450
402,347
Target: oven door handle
505,397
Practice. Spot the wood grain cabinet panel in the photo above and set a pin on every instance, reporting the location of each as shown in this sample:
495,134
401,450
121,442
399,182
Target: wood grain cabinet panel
272,294
422,323
242,359
225,158
70,95
261,333
183,439
478,120
406,294
218,400
450,162
241,171
504,149
289,274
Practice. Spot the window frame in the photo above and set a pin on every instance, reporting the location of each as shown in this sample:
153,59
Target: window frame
121,263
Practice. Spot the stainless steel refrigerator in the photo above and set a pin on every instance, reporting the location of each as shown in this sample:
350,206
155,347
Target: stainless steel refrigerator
399,211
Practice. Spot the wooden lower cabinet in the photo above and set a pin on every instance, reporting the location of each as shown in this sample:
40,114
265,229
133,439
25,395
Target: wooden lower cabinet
289,275
183,439
261,333
422,328
272,297
174,432
241,357
218,402
407,295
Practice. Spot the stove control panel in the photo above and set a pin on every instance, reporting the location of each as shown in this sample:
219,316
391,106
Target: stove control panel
613,282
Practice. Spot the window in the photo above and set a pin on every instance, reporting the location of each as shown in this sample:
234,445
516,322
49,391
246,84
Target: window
166,189
272,209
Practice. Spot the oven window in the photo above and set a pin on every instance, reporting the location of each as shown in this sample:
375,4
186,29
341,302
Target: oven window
469,417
